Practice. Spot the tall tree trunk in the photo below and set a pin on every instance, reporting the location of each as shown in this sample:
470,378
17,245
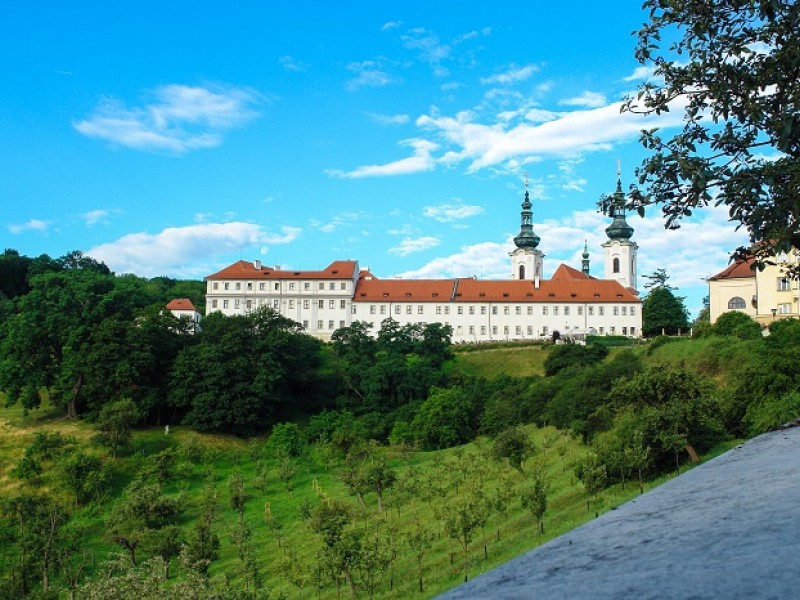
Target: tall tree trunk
72,405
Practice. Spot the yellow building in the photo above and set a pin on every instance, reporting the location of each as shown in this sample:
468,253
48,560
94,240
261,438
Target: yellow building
765,295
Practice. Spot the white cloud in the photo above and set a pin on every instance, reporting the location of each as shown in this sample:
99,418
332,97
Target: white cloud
487,260
368,73
388,119
93,217
30,225
422,160
175,119
427,43
292,64
391,25
447,213
640,73
514,74
175,250
411,246
586,99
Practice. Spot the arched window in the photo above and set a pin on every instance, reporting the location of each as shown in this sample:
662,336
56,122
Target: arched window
736,303
615,265
522,271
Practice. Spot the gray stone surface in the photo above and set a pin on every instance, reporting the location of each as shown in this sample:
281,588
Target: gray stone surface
729,528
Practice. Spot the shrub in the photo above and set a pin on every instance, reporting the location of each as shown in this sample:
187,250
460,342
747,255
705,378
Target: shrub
770,412
572,355
286,440
737,324
443,420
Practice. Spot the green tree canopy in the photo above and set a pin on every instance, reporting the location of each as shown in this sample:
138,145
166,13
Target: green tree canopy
663,311
732,70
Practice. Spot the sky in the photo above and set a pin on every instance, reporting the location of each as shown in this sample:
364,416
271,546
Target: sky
174,138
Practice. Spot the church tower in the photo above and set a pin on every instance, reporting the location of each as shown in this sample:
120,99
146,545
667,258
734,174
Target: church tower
585,258
619,251
526,260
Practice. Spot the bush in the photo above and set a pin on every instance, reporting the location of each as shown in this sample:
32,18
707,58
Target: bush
565,356
513,444
443,420
286,440
736,324
768,413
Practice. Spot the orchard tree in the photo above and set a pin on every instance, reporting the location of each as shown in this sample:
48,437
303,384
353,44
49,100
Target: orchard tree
732,71
115,422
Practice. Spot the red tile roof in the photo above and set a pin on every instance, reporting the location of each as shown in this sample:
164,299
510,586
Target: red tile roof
180,304
340,269
565,272
740,269
404,290
472,290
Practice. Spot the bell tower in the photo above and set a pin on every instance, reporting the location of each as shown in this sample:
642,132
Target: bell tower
526,260
619,251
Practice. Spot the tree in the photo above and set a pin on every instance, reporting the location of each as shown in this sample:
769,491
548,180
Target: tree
733,70
534,499
514,445
663,312
419,540
85,475
115,422
737,324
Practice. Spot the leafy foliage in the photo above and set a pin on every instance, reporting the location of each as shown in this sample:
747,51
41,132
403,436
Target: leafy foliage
564,356
732,69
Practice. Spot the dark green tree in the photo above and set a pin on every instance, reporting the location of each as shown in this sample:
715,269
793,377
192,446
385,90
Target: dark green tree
732,68
115,423
663,312
514,445
737,324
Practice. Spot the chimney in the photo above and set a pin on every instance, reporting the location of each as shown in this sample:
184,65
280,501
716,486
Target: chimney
257,265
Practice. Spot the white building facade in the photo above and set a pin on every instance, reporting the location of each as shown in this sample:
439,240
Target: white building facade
525,307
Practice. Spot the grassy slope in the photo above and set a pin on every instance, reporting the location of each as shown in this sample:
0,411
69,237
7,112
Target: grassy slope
220,455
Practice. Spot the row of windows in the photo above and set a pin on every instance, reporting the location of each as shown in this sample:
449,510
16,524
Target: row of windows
529,330
398,309
262,286
250,304
321,325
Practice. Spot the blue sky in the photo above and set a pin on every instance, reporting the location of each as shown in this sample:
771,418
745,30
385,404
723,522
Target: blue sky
172,138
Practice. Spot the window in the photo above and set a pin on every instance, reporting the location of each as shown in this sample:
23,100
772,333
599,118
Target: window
397,309
332,286
331,303
522,272
566,311
555,311
505,330
262,286
783,284
601,331
353,309
277,285
624,311
372,309
615,267
420,309
544,310
616,311
408,309
624,331
275,304
227,285
305,304
319,324
438,310
215,285
736,303
518,310
494,329
224,304
506,310
483,329
305,324
472,329
494,310
291,286
633,330
784,309
483,310
307,285
519,330
447,310
250,304
633,312
580,311
383,308
249,286
530,329
291,303
330,324
322,287
460,310
238,285
544,330
236,303
321,304
591,311
613,330
472,310
341,324
530,310
214,303
343,285
600,310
